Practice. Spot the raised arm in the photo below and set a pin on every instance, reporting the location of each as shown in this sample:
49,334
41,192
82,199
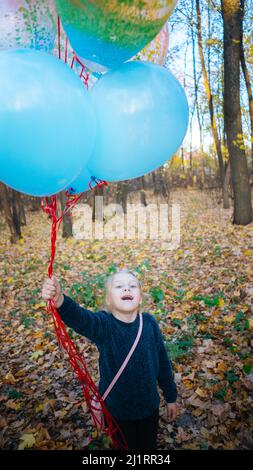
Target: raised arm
90,324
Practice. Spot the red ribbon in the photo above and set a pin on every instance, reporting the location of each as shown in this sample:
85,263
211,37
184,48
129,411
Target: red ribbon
77,362
84,71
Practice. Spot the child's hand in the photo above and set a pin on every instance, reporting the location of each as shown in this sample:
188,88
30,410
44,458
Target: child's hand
171,411
51,290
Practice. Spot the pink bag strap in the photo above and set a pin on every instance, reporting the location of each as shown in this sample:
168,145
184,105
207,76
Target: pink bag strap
127,358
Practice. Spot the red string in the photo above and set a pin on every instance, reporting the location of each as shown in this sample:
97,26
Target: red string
59,37
98,182
66,50
77,362
84,74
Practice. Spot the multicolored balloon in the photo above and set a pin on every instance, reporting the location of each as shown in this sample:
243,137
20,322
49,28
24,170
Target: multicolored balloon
109,33
27,23
142,117
47,123
156,50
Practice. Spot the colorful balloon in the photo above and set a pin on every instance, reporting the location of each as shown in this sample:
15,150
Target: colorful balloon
142,117
27,23
157,49
47,123
109,33
155,52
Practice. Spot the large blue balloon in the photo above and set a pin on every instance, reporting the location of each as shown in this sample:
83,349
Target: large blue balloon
142,118
47,123
81,183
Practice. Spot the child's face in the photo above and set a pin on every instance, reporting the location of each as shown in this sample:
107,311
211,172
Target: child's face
124,294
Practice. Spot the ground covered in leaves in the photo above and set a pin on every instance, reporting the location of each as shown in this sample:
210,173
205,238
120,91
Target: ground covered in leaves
201,293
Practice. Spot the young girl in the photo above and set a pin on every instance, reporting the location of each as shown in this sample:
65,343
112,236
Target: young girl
134,400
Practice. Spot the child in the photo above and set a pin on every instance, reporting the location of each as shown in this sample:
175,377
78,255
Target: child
134,399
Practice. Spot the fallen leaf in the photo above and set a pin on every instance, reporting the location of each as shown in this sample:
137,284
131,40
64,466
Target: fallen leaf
27,441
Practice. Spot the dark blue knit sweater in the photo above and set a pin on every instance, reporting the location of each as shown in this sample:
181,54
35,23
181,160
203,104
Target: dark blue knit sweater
135,394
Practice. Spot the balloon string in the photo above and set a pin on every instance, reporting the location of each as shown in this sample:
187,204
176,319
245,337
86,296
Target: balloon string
77,362
66,50
84,74
98,182
59,36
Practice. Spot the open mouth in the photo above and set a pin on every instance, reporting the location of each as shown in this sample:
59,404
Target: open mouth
127,297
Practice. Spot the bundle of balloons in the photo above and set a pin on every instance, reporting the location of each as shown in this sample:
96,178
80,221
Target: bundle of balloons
54,134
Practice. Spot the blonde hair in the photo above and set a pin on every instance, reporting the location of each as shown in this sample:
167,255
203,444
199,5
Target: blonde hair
109,279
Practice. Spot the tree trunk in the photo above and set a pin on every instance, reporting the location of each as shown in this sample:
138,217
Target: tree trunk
143,192
201,153
35,204
209,95
156,188
225,189
99,213
159,183
10,201
182,158
232,23
248,84
67,221
122,194
21,214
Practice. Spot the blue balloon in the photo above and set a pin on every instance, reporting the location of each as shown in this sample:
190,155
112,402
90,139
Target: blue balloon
81,183
142,117
47,123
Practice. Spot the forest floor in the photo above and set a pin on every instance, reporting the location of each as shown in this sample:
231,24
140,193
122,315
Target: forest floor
201,294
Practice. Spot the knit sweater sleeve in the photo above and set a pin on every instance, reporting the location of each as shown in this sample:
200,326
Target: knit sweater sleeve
165,378
83,321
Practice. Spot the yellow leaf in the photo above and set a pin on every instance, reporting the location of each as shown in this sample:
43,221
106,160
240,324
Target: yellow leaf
229,318
20,328
40,305
39,407
13,405
201,393
9,378
247,252
21,372
221,367
221,302
187,384
188,295
38,334
202,328
10,280
27,441
251,322
37,354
